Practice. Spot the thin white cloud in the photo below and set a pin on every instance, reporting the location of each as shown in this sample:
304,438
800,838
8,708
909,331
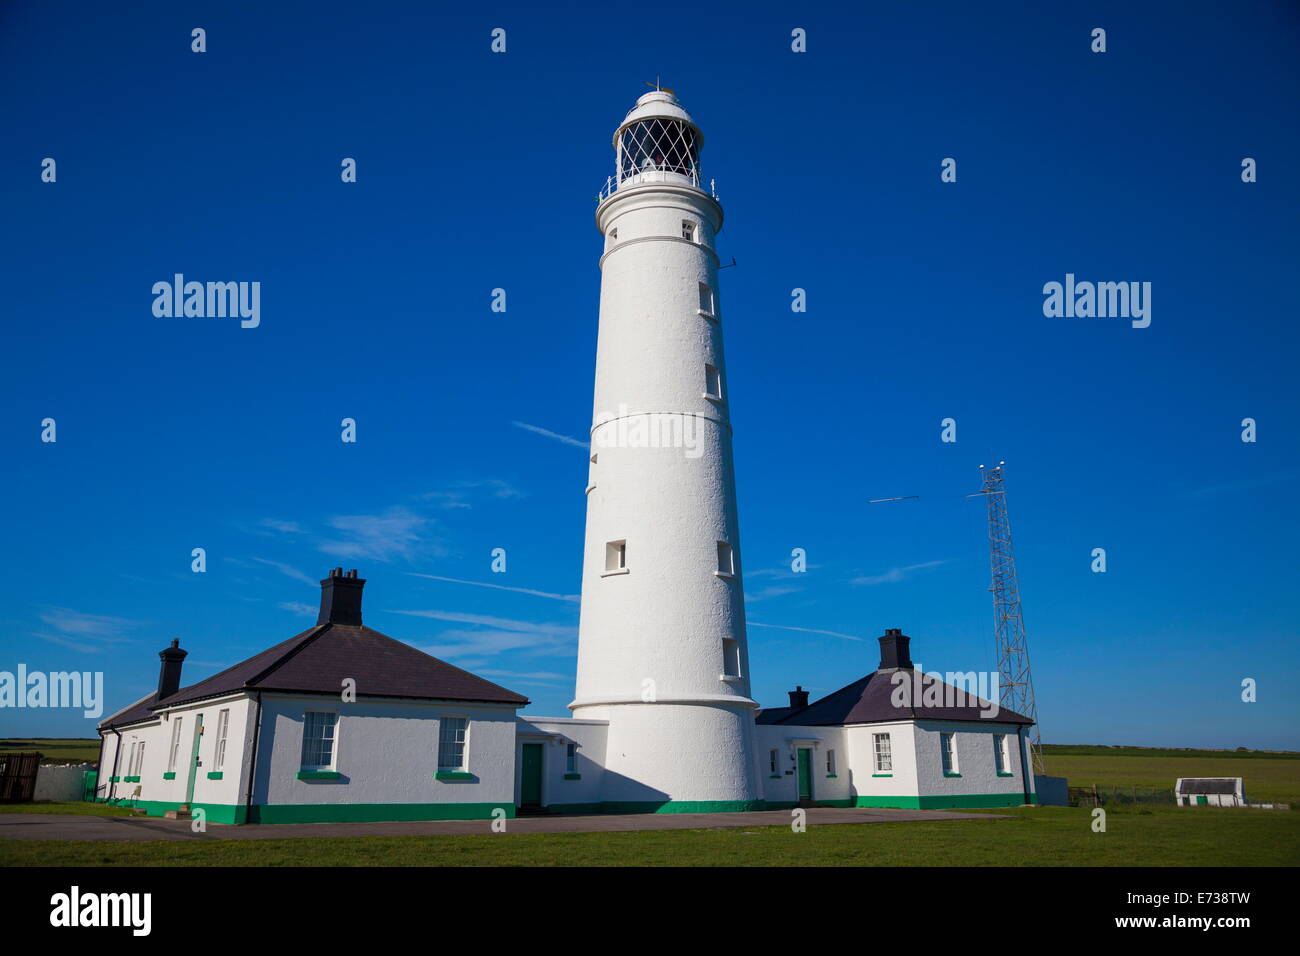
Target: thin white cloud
298,608
99,627
550,434
806,630
499,587
288,527
894,575
289,571
775,590
396,533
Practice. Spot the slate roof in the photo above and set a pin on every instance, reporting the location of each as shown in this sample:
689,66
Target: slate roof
317,661
870,700
1208,785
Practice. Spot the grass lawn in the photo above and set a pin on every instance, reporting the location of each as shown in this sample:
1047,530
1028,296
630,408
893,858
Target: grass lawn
55,749
1266,780
1041,836
80,807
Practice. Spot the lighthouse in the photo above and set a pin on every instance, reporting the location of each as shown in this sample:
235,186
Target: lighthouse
662,653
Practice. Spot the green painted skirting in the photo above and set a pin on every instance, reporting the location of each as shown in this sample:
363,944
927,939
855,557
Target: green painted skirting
319,775
216,812
335,813
375,812
945,801
658,806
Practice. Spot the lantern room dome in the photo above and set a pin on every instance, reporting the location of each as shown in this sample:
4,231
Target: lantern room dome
658,104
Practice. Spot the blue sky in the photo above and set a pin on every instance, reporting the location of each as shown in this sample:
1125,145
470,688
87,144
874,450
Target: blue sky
479,170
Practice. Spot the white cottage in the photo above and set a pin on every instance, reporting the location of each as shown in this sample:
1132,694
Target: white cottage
337,723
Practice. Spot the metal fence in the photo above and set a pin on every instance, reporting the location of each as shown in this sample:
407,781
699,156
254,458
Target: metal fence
1096,796
18,776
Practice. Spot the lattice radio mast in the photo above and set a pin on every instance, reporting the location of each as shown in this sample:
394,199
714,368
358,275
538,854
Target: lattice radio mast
1017,683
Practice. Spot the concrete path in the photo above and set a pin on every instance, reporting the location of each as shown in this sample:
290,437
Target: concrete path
50,826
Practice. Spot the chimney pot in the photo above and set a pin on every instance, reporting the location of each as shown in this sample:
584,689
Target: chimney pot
340,599
169,673
895,650
798,698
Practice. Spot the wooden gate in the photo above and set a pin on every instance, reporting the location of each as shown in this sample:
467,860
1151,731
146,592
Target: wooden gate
18,776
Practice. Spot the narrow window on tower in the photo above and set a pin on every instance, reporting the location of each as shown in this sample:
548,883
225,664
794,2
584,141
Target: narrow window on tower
616,557
706,301
730,657
712,383
591,475
688,230
726,560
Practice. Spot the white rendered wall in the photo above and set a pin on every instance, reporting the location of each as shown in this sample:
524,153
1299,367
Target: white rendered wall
554,734
902,781
975,760
386,752
787,741
657,630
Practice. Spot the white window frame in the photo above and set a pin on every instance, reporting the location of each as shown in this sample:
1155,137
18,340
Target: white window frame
708,302
883,757
948,753
571,758
774,761
334,741
830,763
730,655
219,746
1001,754
689,230
726,560
176,745
713,383
615,557
443,723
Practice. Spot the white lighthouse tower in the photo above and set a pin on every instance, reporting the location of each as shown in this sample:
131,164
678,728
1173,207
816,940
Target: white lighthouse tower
662,651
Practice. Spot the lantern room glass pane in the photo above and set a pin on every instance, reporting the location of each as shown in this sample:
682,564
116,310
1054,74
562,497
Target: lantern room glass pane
659,144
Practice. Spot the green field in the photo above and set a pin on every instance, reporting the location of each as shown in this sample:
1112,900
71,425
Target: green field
1029,836
55,749
1268,776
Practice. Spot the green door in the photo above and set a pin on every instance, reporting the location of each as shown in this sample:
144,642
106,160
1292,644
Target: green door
531,792
194,758
805,774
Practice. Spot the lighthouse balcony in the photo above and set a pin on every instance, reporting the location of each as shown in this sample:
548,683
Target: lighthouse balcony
653,176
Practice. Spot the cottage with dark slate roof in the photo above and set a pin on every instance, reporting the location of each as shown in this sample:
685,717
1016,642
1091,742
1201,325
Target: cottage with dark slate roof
896,738
337,723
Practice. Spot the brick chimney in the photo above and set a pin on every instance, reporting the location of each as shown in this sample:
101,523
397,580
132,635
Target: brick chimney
894,652
169,674
798,698
340,598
